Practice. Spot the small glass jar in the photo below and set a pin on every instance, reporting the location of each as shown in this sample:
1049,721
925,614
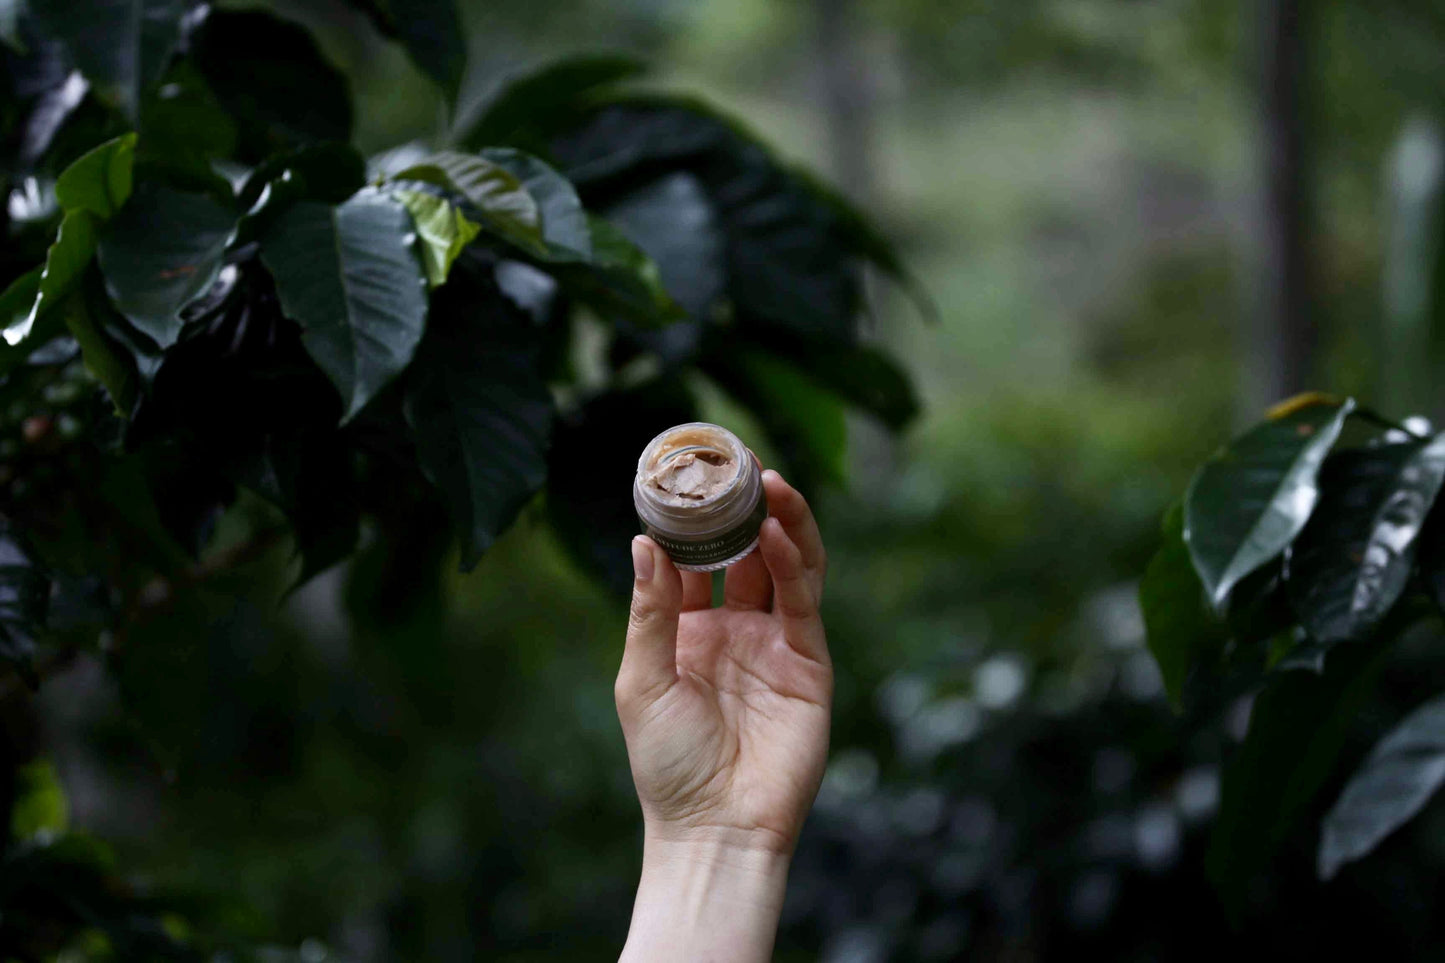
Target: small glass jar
699,494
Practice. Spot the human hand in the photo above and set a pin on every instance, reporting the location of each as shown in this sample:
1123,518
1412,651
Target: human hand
726,713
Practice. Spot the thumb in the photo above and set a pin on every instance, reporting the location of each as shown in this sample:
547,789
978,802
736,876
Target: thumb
649,662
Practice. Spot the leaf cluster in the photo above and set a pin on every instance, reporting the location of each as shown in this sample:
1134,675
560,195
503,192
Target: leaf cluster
1311,542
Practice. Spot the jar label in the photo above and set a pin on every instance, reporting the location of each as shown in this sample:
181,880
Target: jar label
714,548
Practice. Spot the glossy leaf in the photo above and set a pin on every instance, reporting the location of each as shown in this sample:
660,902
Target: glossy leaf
1395,781
498,200
1181,628
564,223
521,100
443,231
122,46
1253,496
480,414
15,305
1353,558
162,252
100,181
1297,727
621,281
864,375
273,79
182,119
65,262
350,277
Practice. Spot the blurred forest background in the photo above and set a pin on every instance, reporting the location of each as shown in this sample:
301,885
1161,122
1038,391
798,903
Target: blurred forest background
1141,223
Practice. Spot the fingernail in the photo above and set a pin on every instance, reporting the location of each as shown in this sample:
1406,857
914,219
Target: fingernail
641,560
768,472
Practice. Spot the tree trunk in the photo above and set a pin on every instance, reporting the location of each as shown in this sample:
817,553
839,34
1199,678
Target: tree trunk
1282,352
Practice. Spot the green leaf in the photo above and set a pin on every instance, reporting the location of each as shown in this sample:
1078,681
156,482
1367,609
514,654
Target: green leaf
112,367
99,181
595,522
497,198
1252,497
183,119
621,281
1297,727
1395,781
121,46
863,375
1181,628
791,266
433,37
563,221
65,262
15,305
271,77
442,229
350,277
522,100
480,414
40,803
672,220
804,421
163,251
328,172
1353,559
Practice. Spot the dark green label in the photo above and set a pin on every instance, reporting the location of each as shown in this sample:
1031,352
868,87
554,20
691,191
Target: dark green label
716,548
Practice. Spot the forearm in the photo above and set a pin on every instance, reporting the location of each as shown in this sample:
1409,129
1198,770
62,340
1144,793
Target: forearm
706,901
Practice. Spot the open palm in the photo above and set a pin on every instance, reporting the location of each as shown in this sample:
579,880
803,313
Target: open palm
726,710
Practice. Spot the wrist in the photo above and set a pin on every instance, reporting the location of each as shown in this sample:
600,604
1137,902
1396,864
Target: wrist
707,895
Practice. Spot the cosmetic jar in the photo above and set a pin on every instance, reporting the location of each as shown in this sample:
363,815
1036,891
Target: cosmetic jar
699,494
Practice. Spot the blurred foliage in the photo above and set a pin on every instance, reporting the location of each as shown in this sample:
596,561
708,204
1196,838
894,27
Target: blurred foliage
437,774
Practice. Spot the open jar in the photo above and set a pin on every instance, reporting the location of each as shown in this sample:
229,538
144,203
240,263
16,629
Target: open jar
699,494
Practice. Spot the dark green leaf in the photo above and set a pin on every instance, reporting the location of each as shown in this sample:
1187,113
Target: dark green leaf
350,277
790,265
804,421
434,39
621,282
183,119
498,200
1395,781
441,228
672,221
1252,497
328,171
122,46
111,364
15,305
863,375
163,251
1181,628
525,100
480,414
100,181
1353,558
1297,727
65,262
563,221
273,80
596,522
